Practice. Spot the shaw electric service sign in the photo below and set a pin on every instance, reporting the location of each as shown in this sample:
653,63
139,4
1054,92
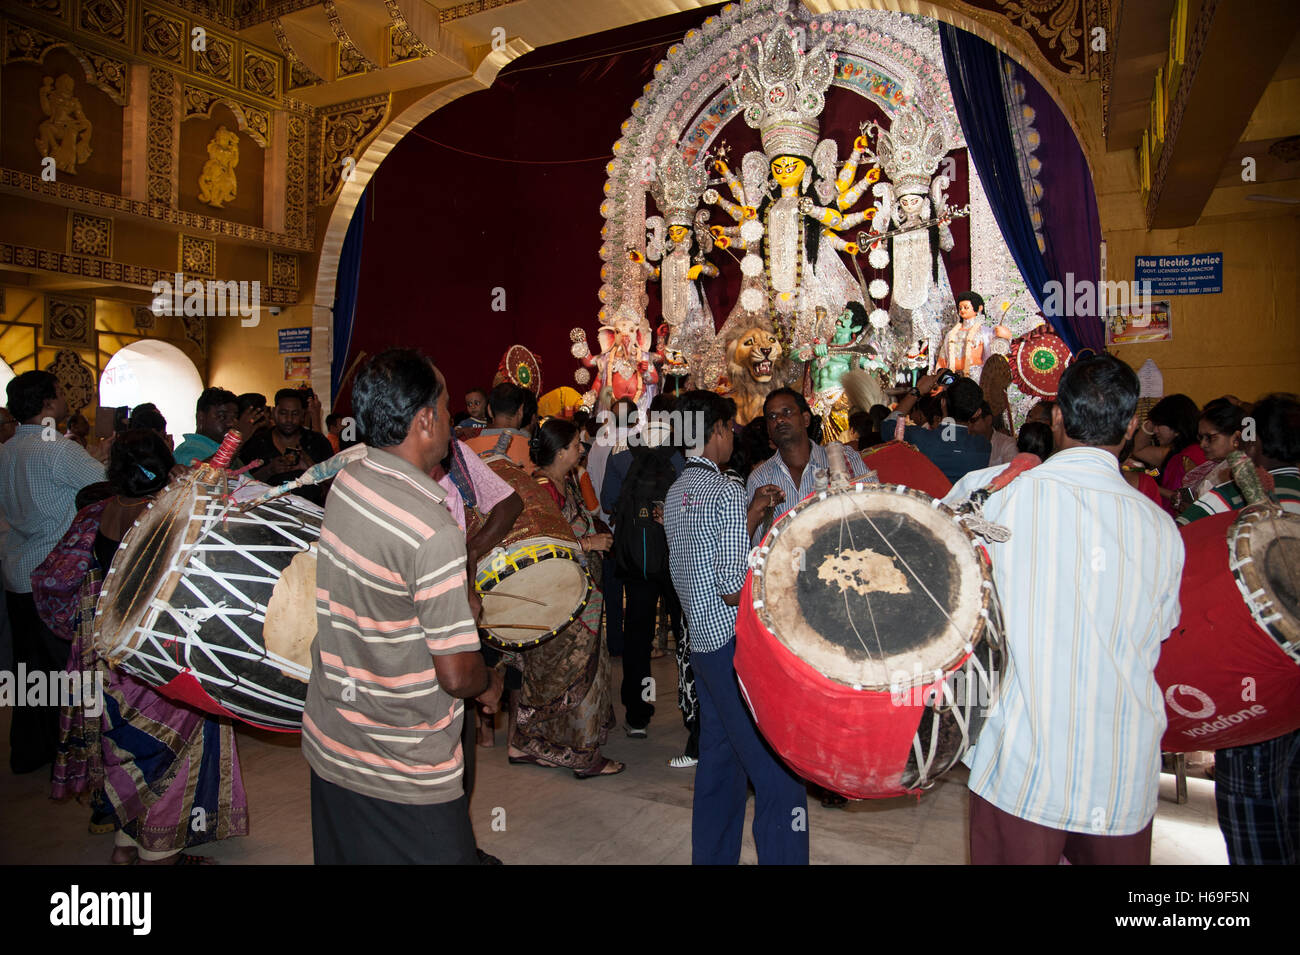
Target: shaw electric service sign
1198,274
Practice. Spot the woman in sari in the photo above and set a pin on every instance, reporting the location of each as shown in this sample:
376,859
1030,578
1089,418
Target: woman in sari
162,776
565,709
1167,440
1219,433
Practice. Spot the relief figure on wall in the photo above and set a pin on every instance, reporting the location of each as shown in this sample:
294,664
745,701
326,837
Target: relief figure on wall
217,181
65,134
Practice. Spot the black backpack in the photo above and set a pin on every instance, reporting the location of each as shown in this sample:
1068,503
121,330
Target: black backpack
640,545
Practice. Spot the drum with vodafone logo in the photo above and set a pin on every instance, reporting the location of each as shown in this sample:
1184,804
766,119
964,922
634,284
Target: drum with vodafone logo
1230,671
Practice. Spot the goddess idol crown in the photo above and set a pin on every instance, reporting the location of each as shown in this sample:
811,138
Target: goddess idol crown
677,187
910,151
782,91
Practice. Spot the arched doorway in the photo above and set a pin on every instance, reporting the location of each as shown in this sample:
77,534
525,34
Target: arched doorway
158,372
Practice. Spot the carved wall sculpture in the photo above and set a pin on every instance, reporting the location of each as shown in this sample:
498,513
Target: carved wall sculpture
90,235
403,44
69,320
351,61
76,377
218,183
282,270
297,216
216,60
344,131
256,122
160,152
164,36
66,133
117,273
25,44
196,256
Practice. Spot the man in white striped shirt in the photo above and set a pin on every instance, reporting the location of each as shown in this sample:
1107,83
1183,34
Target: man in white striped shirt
1068,763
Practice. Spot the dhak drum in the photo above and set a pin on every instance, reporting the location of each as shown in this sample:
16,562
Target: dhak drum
898,462
1230,671
215,607
533,584
869,639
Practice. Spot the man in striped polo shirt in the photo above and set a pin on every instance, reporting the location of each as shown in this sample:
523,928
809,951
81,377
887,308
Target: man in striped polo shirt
396,648
1068,761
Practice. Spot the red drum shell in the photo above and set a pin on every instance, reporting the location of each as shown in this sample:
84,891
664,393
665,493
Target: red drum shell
897,462
831,718
1215,648
854,742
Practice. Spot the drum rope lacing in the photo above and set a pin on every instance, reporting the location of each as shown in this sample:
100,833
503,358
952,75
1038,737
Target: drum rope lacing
188,621
925,760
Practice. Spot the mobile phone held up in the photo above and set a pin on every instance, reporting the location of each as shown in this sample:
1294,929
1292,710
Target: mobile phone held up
946,378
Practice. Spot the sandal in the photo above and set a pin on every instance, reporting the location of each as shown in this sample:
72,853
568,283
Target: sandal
100,824
526,759
601,769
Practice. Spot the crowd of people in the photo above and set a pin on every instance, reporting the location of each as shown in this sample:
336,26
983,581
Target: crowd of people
403,688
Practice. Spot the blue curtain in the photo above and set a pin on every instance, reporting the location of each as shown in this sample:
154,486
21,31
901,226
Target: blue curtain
975,73
345,293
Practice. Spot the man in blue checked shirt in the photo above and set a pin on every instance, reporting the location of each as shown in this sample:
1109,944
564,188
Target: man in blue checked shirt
708,549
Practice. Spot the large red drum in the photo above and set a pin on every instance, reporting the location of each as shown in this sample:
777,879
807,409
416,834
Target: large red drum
1230,671
898,462
869,639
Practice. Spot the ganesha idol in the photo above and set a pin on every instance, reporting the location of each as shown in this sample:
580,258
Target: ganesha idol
626,363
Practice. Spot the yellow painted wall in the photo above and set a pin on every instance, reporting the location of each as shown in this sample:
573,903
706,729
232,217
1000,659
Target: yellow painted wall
1243,341
22,335
248,359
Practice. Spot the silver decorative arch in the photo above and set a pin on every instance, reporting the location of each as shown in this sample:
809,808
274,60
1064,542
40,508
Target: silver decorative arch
892,59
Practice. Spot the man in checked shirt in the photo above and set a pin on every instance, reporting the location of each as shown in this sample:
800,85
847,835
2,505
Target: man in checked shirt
708,547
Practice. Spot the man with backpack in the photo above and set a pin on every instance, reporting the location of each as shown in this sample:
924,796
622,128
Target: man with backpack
633,493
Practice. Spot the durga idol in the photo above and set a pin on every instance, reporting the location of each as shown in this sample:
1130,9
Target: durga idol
795,216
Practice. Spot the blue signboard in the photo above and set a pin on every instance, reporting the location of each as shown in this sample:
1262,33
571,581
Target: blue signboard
1198,273
294,341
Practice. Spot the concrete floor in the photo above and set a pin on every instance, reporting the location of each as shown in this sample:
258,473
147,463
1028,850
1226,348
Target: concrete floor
526,814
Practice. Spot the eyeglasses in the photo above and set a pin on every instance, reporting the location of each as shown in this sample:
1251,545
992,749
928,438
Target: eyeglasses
778,415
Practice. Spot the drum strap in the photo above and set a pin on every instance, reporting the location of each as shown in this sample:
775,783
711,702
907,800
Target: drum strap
459,475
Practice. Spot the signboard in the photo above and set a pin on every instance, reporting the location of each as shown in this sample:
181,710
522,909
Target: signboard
1199,273
294,341
297,369
1139,323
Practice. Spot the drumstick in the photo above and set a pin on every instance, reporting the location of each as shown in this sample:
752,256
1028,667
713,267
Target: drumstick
316,474
498,593
518,626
